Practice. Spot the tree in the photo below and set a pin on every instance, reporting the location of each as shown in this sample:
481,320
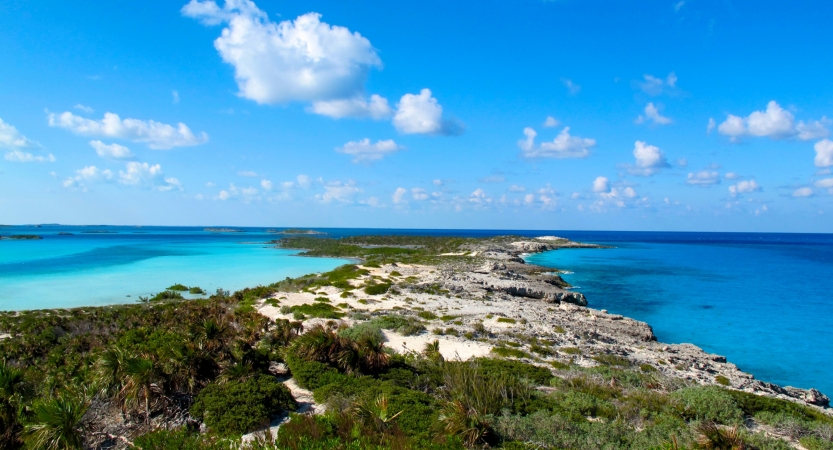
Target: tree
11,388
141,380
56,424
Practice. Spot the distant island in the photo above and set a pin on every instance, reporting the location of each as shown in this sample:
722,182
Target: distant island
99,232
295,231
21,237
223,230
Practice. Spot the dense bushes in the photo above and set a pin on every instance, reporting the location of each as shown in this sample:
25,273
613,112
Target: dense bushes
238,407
707,403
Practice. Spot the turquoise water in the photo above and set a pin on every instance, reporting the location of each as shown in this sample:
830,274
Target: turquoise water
762,300
91,269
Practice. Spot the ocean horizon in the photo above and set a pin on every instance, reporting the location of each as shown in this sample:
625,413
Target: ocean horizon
760,299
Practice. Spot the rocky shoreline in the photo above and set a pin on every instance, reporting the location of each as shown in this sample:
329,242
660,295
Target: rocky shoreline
489,280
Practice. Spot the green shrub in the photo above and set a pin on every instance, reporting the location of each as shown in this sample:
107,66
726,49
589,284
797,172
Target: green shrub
612,360
395,274
816,443
404,325
720,379
427,315
178,287
570,350
196,290
321,310
312,374
361,330
377,289
577,405
322,299
238,407
645,367
166,295
707,403
538,375
506,320
180,439
508,352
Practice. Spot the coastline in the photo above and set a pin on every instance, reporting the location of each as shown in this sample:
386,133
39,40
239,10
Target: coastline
491,278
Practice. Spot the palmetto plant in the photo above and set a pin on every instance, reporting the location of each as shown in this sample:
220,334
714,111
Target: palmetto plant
11,388
324,344
110,370
56,424
432,351
142,378
375,415
712,437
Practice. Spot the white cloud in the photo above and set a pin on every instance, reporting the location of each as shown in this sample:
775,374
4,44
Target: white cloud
703,178
563,146
12,139
175,96
649,159
601,184
83,108
156,135
342,192
247,173
25,157
422,114
88,174
825,183
438,182
148,176
551,122
303,181
419,194
654,86
803,192
775,122
731,176
711,125
744,187
364,151
516,188
398,195
111,151
479,196
652,114
301,60
495,178
266,185
572,87
824,153
356,107
210,184
679,5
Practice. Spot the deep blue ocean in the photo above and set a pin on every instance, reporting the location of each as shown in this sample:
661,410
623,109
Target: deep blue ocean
762,300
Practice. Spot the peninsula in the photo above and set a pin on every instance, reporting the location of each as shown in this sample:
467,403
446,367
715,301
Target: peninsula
424,342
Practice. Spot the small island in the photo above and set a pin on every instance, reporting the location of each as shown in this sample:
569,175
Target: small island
22,237
295,231
223,230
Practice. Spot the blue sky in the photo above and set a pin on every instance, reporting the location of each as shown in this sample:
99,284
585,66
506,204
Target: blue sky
653,115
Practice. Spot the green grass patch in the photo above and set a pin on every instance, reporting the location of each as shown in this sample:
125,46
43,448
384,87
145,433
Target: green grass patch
509,352
506,320
321,310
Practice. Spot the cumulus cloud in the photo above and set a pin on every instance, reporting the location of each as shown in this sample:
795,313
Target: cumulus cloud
156,135
357,107
551,122
563,146
83,108
266,185
146,175
572,87
338,191
398,196
654,86
601,184
25,157
775,122
13,140
422,114
111,151
295,60
731,176
419,194
303,181
803,192
649,159
711,125
744,187
364,151
824,153
88,174
652,114
703,179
